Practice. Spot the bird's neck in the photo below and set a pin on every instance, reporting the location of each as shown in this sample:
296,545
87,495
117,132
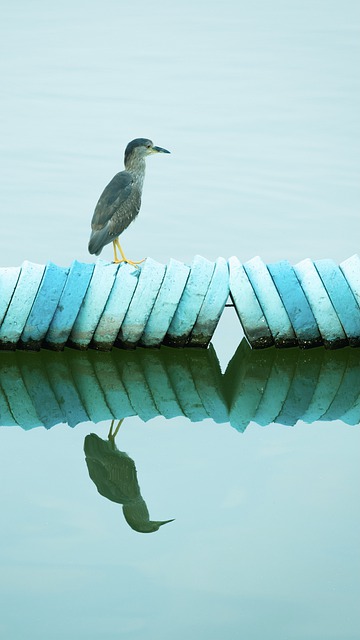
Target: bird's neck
137,169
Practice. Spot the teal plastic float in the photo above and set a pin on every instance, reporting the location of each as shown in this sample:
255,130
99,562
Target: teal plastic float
104,304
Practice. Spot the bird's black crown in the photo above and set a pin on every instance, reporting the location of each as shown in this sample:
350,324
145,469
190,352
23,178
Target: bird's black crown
138,142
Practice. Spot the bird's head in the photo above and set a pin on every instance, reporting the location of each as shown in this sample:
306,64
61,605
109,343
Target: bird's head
139,148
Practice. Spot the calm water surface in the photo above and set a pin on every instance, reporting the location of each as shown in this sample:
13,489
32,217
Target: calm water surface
259,105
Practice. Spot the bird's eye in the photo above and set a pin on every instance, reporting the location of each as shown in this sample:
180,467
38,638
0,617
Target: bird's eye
148,145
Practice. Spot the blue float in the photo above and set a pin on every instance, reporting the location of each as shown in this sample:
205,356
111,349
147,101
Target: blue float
271,303
212,306
351,271
248,307
44,306
191,301
105,304
330,327
295,303
71,299
166,303
8,279
150,279
93,304
20,304
342,298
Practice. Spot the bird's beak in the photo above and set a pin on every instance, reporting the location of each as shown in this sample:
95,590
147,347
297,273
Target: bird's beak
159,150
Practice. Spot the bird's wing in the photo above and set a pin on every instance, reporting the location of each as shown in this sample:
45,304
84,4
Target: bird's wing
114,195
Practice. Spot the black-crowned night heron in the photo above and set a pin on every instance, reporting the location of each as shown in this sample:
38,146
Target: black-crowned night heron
120,202
114,474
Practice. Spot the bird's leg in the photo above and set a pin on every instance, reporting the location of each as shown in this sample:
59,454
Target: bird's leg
117,245
116,260
112,434
118,427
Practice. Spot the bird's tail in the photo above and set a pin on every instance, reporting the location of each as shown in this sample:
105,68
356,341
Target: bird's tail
98,240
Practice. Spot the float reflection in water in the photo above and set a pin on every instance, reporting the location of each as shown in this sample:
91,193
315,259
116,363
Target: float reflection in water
114,474
47,388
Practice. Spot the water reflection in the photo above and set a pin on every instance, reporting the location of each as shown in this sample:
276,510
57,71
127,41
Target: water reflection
266,386
114,474
280,387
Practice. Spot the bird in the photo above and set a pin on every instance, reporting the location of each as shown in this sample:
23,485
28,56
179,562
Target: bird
114,474
120,202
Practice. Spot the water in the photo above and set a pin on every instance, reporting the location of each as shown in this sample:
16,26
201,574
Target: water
258,104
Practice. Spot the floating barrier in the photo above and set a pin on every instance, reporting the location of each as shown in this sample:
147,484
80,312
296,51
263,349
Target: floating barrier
266,386
104,304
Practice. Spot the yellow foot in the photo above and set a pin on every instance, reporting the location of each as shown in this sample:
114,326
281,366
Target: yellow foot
116,245
132,262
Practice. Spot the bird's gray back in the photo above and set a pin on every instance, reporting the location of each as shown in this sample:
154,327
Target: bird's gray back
118,206
116,194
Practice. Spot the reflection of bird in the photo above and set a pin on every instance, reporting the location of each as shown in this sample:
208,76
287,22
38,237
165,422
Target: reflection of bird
114,475
119,204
